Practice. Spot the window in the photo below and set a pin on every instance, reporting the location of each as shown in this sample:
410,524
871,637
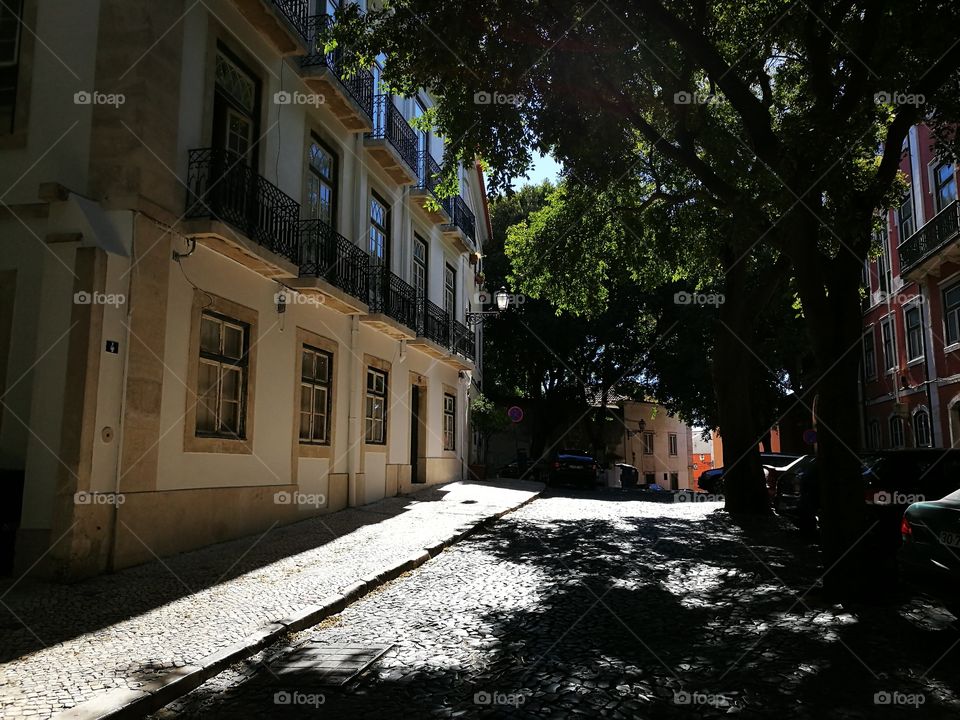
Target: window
379,229
896,432
450,291
884,272
944,185
674,481
315,379
235,108
913,321
869,355
449,422
649,478
321,183
376,410
951,313
889,346
873,435
905,217
222,376
672,443
9,62
702,457
419,266
648,443
921,429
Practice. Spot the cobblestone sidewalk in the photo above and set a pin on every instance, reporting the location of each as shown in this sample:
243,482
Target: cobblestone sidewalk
61,645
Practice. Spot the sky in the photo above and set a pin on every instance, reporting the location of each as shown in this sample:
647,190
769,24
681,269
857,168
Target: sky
544,168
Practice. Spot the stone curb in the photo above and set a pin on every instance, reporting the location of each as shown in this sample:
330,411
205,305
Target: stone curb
126,704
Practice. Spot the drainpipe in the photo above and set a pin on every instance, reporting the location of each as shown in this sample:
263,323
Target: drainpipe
353,421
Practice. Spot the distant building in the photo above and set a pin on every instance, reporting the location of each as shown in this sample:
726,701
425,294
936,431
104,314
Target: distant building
701,455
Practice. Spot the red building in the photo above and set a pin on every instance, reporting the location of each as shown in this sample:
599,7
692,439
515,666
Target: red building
911,344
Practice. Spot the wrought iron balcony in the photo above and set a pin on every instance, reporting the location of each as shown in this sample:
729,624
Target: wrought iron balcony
221,185
464,340
295,12
390,125
433,323
325,253
391,296
358,85
942,229
462,217
428,178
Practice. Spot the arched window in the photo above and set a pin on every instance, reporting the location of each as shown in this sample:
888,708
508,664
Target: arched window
921,428
896,432
874,441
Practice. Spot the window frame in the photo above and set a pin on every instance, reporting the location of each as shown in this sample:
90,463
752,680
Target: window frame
874,435
423,265
896,421
647,440
870,358
909,331
909,221
450,290
314,383
922,412
889,358
449,421
333,182
219,360
672,445
951,312
384,258
937,186
368,418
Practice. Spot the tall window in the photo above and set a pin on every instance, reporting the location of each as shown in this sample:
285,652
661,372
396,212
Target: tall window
450,291
869,355
321,183
905,217
913,321
921,429
944,185
648,443
951,313
315,380
889,347
874,440
9,62
222,376
672,443
376,409
419,266
379,229
235,108
896,432
884,272
449,422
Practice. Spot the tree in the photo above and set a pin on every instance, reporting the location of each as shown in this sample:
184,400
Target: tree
774,109
487,419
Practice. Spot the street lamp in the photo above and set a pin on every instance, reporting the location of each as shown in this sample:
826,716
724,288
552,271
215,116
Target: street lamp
501,298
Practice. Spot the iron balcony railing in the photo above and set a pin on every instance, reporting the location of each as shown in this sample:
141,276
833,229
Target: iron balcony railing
222,185
433,323
359,84
464,340
390,125
325,253
944,227
392,296
462,216
295,12
428,178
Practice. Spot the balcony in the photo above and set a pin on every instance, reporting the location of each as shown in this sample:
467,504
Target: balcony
349,97
282,22
433,330
424,193
464,345
392,304
392,142
332,269
235,211
462,226
935,243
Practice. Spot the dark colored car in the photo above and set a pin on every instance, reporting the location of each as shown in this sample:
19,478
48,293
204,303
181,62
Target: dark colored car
573,467
796,495
930,554
711,481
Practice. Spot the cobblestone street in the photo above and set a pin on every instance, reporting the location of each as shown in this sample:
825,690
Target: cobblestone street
605,606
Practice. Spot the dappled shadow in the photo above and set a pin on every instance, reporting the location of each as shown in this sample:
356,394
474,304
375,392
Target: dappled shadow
651,614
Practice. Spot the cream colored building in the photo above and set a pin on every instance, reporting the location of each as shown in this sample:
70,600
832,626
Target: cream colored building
227,297
659,448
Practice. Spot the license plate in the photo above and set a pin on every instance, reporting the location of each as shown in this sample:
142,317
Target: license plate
950,539
575,467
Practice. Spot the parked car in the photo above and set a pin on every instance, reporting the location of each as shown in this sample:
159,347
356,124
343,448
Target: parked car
711,481
930,554
525,469
797,495
573,467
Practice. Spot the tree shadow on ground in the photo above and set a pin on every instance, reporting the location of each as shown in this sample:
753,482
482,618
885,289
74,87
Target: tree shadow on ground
653,616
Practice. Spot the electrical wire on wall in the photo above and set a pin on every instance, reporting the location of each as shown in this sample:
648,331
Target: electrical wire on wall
177,256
